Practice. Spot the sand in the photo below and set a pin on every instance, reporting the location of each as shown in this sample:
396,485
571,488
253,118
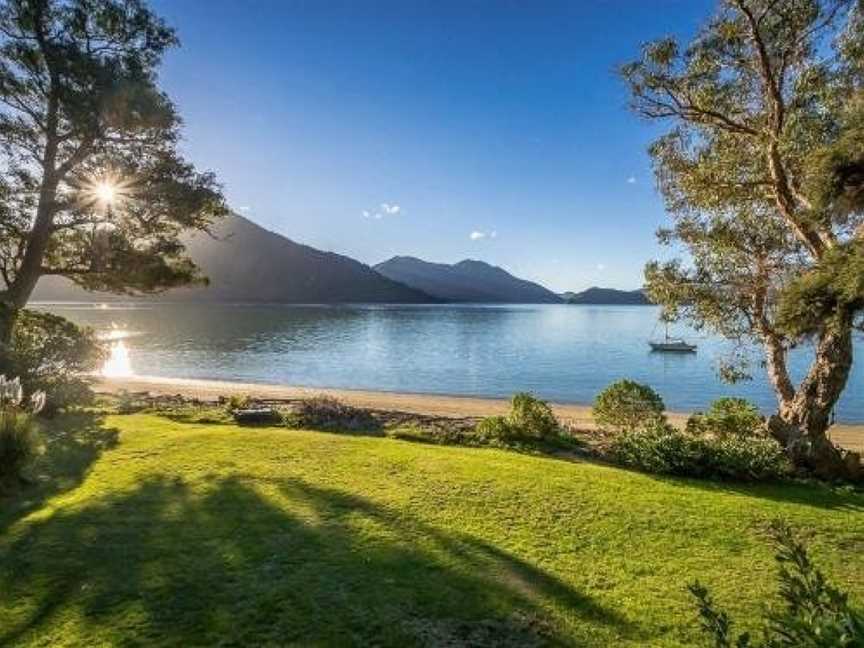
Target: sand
848,435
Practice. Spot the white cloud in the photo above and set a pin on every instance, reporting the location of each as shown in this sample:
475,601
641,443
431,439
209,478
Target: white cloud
601,267
244,208
476,236
493,234
384,209
631,180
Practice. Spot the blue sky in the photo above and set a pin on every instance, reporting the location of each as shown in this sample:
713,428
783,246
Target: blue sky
445,130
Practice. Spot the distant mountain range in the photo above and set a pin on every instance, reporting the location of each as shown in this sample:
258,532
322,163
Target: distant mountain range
466,281
607,296
246,263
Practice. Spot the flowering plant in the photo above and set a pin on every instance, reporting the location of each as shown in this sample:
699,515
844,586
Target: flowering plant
12,396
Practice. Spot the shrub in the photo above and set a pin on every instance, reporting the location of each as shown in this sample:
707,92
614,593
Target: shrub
236,402
814,613
331,414
627,405
530,419
19,445
51,354
493,429
128,403
664,449
728,417
19,442
435,434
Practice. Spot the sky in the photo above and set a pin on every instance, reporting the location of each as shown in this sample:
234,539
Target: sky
442,129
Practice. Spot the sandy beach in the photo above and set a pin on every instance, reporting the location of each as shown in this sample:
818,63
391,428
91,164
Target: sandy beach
849,436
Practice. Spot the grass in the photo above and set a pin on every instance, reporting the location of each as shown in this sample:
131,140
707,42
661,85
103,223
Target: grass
162,532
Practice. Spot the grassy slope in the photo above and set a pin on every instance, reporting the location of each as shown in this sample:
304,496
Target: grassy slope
183,533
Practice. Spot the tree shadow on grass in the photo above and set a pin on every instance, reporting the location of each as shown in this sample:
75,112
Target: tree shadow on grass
73,442
246,562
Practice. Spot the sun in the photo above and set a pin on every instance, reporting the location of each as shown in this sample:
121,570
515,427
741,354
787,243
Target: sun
105,191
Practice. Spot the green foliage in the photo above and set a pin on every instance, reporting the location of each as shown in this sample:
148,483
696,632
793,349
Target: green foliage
79,85
663,449
628,405
128,403
727,417
762,172
236,402
530,419
814,614
495,429
52,354
831,288
434,434
330,414
19,445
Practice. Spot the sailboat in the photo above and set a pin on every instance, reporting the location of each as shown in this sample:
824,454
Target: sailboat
672,345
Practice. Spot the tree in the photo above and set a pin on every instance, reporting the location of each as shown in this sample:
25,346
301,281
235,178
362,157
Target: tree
92,186
762,171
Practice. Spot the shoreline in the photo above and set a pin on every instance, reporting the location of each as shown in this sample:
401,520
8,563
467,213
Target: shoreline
848,435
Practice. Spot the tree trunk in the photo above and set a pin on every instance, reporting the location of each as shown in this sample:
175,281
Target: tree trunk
803,419
8,318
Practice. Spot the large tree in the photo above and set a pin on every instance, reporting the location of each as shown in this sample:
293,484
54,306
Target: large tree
92,186
762,170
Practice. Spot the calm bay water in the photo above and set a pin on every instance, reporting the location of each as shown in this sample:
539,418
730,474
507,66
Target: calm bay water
562,353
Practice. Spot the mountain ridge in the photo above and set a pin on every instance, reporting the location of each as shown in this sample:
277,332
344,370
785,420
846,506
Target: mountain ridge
607,296
247,263
467,281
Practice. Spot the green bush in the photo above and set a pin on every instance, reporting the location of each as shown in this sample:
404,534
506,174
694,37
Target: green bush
236,402
330,414
664,449
728,417
530,419
814,614
51,354
627,405
19,445
494,429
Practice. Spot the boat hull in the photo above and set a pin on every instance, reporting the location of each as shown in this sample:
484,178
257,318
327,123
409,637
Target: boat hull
673,347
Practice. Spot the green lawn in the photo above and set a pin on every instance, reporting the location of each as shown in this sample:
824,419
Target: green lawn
168,533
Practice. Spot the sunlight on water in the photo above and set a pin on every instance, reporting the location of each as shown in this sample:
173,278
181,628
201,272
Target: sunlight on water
118,364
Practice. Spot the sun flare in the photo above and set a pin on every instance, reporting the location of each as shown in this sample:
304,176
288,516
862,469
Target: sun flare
119,362
106,192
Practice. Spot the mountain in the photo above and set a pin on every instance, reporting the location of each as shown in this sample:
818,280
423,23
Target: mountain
247,263
607,296
466,281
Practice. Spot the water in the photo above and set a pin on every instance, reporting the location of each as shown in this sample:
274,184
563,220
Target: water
562,353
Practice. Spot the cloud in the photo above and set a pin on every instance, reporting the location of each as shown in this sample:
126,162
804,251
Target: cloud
478,235
244,208
601,267
631,180
384,209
